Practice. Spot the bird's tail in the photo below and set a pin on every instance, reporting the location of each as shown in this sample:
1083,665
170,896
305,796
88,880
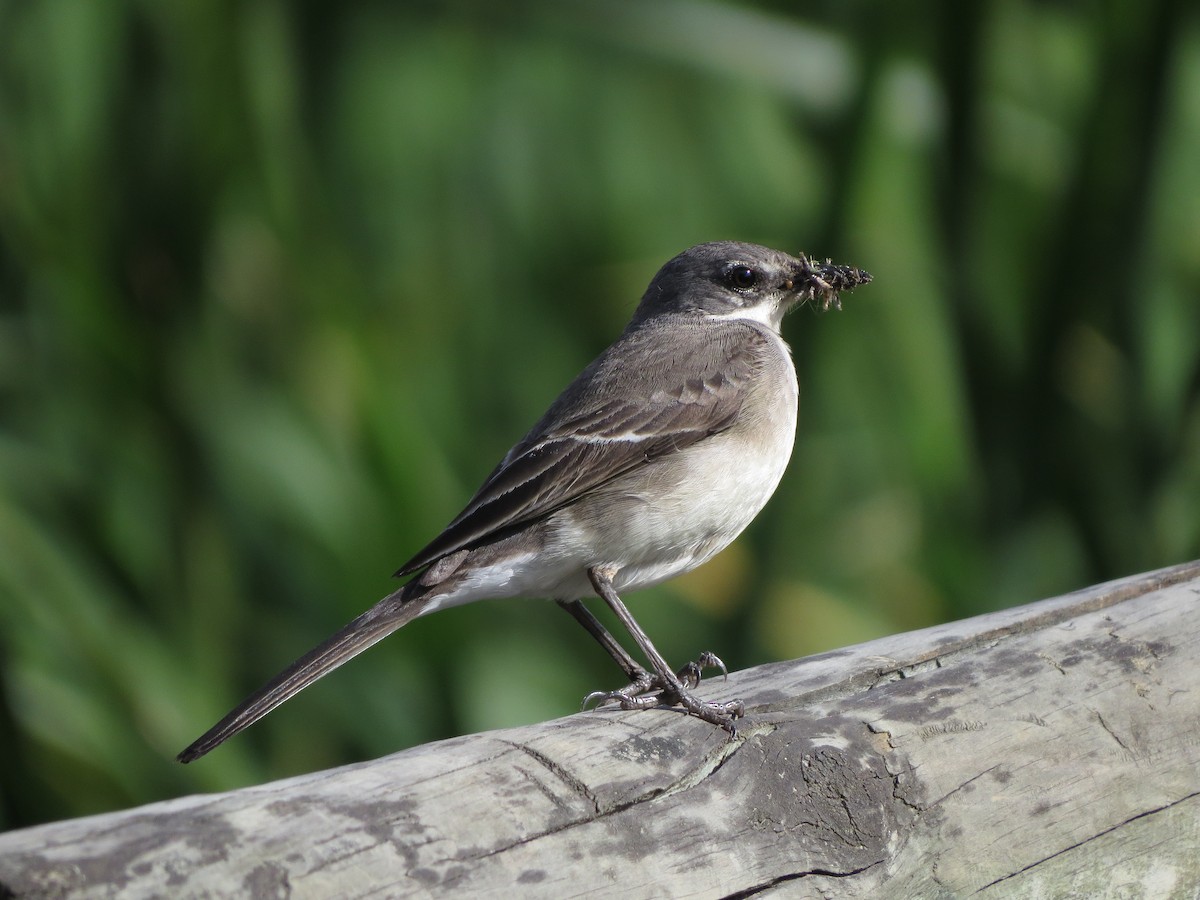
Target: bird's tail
389,614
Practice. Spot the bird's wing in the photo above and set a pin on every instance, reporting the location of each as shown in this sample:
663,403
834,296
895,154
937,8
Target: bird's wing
611,420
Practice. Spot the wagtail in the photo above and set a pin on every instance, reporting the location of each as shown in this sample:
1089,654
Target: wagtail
650,462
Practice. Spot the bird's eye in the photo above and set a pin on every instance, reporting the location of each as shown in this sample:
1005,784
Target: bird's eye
741,278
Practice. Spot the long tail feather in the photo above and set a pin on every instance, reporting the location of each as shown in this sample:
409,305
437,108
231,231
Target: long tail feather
389,614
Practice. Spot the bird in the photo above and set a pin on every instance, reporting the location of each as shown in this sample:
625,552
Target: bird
655,458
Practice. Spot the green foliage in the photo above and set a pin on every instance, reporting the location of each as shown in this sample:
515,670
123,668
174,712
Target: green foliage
280,283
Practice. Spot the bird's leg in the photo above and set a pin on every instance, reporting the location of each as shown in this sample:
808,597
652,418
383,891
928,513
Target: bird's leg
640,681
674,691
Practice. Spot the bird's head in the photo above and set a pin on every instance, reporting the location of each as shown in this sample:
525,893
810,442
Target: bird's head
728,279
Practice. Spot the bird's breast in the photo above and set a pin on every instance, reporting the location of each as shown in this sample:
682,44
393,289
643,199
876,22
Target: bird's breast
674,514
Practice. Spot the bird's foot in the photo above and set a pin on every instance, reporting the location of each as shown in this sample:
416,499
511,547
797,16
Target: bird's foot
649,690
645,682
723,715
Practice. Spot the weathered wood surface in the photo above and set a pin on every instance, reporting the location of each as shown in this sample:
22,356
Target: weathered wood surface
1051,750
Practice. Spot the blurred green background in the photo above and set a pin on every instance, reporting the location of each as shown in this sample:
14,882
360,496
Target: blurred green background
279,283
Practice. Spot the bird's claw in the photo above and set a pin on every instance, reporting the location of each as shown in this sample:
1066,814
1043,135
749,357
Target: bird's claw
649,689
625,699
690,673
723,715
646,682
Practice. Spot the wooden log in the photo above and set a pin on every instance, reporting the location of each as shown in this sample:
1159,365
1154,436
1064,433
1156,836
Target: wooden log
1052,750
